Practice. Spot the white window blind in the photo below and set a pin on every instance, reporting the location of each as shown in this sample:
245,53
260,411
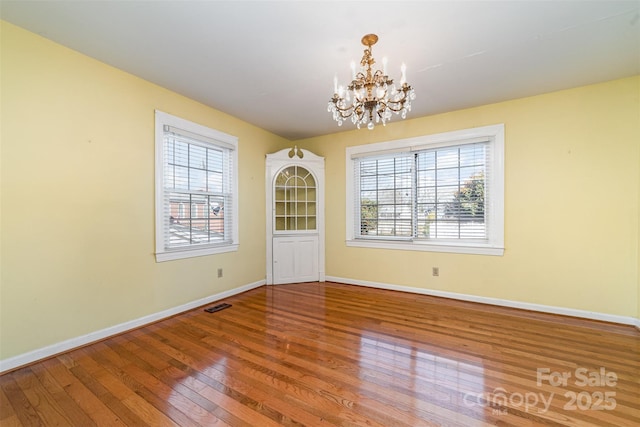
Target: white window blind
451,192
441,192
196,196
385,199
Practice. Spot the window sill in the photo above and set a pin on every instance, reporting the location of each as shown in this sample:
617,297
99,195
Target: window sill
192,253
474,249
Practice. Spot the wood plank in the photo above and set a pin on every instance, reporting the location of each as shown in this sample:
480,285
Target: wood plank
23,409
92,405
45,405
7,414
69,407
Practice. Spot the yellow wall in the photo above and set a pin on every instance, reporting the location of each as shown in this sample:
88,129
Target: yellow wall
78,197
77,200
571,203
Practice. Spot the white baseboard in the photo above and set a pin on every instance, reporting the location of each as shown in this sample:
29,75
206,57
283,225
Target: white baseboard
495,301
51,350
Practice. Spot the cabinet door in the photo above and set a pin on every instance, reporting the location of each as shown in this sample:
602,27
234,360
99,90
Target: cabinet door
295,259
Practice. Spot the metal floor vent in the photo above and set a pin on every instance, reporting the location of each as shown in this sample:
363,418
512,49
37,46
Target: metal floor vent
217,307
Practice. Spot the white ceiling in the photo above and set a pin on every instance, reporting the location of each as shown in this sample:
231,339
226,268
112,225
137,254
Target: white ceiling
272,63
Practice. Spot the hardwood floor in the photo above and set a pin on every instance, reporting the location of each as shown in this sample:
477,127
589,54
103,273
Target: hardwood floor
330,354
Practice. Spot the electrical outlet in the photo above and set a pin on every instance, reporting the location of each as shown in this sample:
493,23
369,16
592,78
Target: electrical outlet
219,272
435,271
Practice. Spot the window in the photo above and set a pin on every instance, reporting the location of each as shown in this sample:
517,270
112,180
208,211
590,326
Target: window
441,193
196,189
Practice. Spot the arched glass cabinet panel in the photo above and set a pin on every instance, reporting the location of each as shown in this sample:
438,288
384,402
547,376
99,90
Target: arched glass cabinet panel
295,200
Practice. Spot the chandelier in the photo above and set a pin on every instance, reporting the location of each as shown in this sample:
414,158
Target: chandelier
371,95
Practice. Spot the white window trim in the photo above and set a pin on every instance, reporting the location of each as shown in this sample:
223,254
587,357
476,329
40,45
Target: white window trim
163,254
495,241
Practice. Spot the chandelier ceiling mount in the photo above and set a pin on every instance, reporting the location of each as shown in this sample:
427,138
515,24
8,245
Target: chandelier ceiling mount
372,95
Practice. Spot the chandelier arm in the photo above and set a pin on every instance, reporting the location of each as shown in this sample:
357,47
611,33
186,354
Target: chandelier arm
343,112
343,109
395,106
403,100
384,105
